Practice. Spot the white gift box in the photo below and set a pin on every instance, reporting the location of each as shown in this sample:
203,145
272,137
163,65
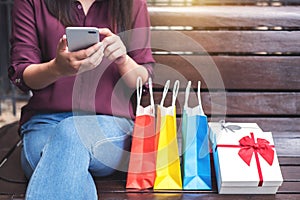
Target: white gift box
246,162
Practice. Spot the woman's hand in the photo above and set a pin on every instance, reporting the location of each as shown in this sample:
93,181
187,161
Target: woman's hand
41,75
71,63
114,48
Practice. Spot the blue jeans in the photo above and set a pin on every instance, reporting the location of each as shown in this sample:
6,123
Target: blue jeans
62,152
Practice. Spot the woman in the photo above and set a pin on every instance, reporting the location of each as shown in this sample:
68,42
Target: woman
77,123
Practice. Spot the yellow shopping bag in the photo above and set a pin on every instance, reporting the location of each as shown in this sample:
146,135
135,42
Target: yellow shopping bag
168,173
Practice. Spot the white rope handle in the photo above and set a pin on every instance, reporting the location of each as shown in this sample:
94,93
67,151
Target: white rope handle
199,96
151,92
165,92
175,91
139,90
187,93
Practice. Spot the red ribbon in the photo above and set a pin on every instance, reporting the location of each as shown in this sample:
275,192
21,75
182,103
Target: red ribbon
248,147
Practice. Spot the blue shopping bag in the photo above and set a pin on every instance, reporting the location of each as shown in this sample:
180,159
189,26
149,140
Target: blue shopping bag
195,146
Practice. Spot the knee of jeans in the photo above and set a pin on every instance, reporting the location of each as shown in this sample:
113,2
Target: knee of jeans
66,133
66,128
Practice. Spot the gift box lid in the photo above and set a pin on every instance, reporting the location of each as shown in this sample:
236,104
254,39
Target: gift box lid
216,129
251,168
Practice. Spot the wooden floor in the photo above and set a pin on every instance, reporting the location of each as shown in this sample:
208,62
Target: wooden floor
13,184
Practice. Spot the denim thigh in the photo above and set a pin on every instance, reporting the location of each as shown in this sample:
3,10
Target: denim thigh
107,138
35,134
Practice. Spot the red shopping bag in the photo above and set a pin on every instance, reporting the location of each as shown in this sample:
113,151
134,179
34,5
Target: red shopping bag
142,163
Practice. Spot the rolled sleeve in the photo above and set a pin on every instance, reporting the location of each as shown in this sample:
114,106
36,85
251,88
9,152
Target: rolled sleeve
24,42
16,76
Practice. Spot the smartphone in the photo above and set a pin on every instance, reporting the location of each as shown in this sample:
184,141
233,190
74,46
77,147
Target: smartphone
81,37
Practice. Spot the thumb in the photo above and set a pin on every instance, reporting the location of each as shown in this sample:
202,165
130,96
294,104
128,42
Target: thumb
62,44
105,31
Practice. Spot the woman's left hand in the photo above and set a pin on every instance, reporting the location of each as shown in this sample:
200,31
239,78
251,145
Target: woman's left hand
114,48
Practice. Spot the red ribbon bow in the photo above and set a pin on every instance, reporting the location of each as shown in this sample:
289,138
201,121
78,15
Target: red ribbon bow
248,147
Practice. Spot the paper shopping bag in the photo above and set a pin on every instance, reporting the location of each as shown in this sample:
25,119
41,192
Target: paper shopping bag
142,163
196,157
168,173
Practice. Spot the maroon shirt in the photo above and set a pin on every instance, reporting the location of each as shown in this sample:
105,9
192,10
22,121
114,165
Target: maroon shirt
35,35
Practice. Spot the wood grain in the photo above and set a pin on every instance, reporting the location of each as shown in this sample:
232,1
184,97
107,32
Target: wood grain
225,16
231,72
226,41
238,103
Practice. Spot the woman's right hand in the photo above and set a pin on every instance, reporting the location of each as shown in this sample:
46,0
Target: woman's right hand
40,75
70,63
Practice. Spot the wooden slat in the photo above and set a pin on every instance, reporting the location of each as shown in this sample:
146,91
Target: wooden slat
231,72
288,147
280,127
186,196
226,41
291,173
239,103
193,196
225,16
176,196
289,161
289,133
11,197
291,189
222,2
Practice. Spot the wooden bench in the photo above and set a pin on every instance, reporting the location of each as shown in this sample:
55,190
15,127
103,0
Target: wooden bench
247,58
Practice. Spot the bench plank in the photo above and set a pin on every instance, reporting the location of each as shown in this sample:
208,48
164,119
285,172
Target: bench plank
288,147
233,72
280,127
176,196
227,41
225,16
291,173
222,2
289,161
238,103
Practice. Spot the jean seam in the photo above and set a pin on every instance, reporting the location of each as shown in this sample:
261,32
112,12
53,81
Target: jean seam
84,146
118,138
